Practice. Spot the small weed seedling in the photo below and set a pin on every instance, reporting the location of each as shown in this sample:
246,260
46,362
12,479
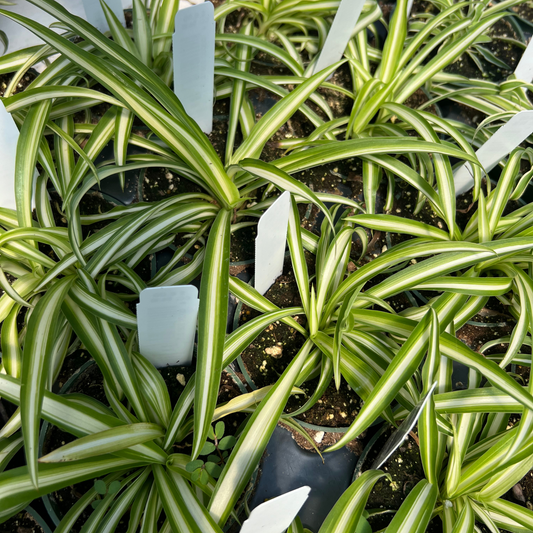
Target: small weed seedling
217,452
102,490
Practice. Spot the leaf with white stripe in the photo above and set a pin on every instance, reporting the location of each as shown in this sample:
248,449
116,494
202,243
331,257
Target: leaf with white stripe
415,512
108,441
345,515
212,317
38,346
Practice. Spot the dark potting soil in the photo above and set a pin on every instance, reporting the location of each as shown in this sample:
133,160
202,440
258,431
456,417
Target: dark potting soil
339,103
92,203
266,65
5,80
234,20
335,409
273,350
505,51
70,366
242,246
418,99
405,469
297,127
160,183
219,134
268,356
22,522
475,336
525,12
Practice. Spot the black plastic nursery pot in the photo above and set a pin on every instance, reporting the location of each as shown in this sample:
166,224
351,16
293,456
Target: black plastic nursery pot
287,466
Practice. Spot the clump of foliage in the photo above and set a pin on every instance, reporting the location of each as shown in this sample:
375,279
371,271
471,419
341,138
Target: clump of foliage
78,293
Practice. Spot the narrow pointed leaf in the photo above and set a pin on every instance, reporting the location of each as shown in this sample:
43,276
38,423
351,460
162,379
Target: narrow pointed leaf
415,512
252,442
212,315
345,515
111,440
38,345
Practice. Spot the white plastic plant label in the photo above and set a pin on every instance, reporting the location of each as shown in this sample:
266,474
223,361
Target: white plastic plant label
20,37
270,243
95,14
188,3
276,515
9,136
339,33
524,69
504,141
166,318
193,44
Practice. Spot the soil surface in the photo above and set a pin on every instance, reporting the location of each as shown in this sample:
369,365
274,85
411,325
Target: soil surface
5,80
22,522
405,470
272,351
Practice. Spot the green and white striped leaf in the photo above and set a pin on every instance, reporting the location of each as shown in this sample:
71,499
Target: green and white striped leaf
415,512
212,317
345,515
399,225
516,512
399,371
465,521
11,351
183,510
427,424
470,286
38,345
278,115
109,441
253,440
154,389
8,448
16,485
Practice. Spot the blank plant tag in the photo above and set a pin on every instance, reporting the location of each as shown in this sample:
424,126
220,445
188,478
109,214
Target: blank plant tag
276,515
9,136
194,62
339,33
504,141
95,13
270,243
20,37
166,318
524,70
